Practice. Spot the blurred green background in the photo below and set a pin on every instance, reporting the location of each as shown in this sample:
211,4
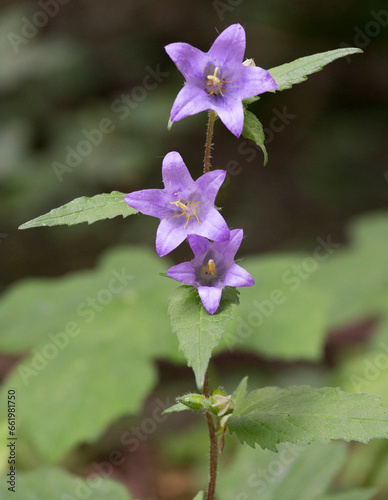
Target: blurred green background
88,63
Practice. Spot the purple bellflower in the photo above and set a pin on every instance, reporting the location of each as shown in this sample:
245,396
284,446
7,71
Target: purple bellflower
184,206
213,268
218,79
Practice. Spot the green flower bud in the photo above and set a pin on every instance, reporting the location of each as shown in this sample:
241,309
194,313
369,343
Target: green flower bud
193,401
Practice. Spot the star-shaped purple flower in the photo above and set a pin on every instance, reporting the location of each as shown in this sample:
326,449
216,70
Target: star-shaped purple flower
213,268
218,79
184,206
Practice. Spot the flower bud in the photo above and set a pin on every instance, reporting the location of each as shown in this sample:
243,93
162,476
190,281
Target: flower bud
193,401
222,405
249,62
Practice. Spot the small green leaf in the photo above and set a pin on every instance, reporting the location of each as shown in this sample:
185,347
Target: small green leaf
200,496
253,129
271,416
198,331
101,206
169,124
178,407
52,482
249,100
297,71
241,391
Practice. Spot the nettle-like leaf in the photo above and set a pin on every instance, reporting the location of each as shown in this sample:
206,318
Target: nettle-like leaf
50,483
268,320
84,209
297,71
198,331
364,293
271,416
297,472
253,129
93,338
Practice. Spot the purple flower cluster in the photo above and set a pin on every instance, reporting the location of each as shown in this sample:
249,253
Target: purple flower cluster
186,210
218,81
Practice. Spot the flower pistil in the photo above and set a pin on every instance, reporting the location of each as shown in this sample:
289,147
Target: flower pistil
209,271
215,84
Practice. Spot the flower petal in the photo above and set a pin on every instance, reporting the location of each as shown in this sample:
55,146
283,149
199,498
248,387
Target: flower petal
237,276
152,202
229,46
231,112
254,81
230,248
176,176
199,245
183,272
189,60
213,227
168,237
190,101
210,183
211,298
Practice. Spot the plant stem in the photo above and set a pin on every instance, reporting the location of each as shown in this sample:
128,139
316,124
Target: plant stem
209,138
213,445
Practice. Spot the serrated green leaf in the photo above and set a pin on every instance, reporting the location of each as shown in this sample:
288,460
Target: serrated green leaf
90,210
51,483
271,416
297,472
89,383
297,71
269,320
198,331
253,129
241,391
91,337
356,276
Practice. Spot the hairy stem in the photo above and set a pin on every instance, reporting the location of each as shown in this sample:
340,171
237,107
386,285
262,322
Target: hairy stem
213,446
209,138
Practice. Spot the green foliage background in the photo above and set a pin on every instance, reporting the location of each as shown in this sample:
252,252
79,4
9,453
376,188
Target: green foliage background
327,174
